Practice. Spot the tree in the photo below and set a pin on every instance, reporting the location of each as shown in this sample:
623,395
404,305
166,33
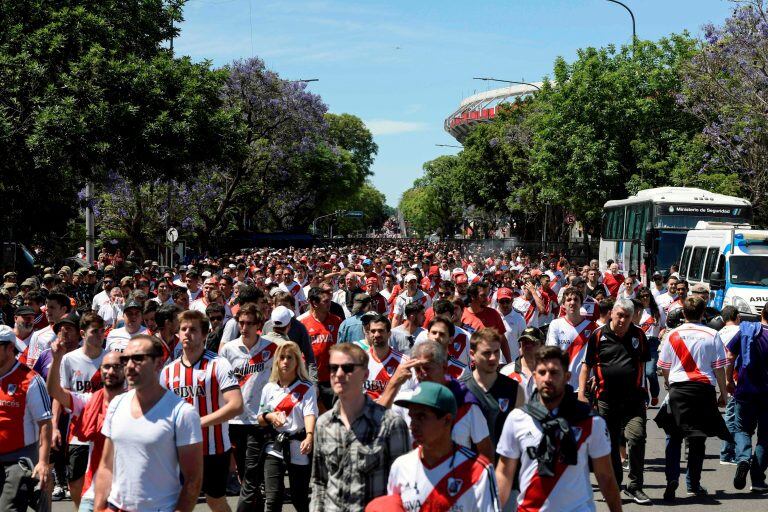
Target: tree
726,87
609,125
88,90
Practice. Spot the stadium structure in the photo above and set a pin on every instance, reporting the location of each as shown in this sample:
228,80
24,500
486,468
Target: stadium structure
482,107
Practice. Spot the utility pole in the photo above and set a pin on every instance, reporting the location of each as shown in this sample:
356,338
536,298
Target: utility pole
90,228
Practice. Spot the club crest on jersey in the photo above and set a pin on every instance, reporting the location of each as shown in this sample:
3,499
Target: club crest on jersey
265,355
587,332
454,486
390,370
456,346
635,342
295,396
503,404
11,389
576,431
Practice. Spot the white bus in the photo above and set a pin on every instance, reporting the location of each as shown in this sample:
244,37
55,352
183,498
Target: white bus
646,233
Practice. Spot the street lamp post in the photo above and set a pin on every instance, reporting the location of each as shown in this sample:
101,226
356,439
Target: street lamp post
314,222
632,15
449,146
488,79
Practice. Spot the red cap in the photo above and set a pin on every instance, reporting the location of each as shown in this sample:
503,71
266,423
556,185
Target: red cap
390,503
460,278
504,293
434,270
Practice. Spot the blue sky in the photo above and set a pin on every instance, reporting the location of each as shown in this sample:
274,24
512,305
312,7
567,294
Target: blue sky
404,66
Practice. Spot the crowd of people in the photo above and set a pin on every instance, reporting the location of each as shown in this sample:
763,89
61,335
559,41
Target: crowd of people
376,377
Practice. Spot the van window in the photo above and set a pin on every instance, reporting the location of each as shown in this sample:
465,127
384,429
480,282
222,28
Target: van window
721,265
709,266
697,264
684,261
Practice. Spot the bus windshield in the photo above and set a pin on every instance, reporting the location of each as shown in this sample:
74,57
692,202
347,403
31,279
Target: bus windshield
749,270
670,246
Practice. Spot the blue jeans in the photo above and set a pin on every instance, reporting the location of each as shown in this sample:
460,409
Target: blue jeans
672,454
728,448
85,506
650,366
751,412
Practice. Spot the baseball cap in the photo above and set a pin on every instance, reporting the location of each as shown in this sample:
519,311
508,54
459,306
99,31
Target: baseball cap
533,334
281,316
132,304
699,288
7,335
367,261
24,310
434,270
578,280
504,293
460,279
70,319
32,283
657,274
432,395
410,277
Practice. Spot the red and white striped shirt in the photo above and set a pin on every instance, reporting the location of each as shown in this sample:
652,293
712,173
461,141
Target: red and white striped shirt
379,372
692,354
203,385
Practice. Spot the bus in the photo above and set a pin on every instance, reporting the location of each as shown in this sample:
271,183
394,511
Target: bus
645,233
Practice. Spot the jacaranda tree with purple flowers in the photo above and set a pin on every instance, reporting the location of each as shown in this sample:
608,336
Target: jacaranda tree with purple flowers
726,86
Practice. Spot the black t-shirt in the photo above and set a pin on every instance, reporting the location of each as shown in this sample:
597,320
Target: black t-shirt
496,403
618,363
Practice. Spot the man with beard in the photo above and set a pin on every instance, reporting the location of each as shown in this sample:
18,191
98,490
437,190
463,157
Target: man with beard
88,409
554,470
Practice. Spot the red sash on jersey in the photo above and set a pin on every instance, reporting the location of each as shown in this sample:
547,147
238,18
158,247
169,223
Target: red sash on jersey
292,398
530,311
13,396
686,359
580,340
453,485
540,487
258,359
646,326
456,347
87,427
295,289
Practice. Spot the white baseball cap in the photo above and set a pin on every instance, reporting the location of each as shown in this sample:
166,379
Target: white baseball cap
281,316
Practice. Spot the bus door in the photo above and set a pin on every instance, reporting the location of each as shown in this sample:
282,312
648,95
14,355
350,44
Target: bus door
636,258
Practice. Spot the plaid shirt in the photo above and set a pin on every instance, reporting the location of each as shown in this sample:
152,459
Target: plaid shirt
351,467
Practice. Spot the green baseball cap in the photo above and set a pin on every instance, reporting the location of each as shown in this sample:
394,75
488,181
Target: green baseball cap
432,395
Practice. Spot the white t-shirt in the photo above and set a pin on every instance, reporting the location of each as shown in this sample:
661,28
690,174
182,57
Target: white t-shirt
118,339
146,464
40,342
457,349
514,323
465,480
572,490
111,313
726,334
571,339
528,309
99,300
81,374
296,401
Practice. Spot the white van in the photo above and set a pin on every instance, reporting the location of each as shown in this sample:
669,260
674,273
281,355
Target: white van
732,261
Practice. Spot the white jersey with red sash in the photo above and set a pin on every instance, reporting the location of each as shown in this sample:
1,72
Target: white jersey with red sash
24,401
650,325
556,279
252,369
569,490
203,385
589,309
297,291
404,299
528,309
456,368
463,481
296,401
81,374
571,339
40,342
379,372
692,353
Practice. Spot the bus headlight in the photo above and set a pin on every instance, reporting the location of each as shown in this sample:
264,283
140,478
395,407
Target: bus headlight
741,305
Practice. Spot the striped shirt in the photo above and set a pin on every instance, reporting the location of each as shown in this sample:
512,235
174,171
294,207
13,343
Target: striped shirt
203,385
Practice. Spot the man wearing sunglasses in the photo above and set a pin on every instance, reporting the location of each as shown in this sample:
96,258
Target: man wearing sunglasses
356,441
152,438
88,408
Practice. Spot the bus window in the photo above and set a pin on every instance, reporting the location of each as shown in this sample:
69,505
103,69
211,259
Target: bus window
684,261
617,233
709,266
697,264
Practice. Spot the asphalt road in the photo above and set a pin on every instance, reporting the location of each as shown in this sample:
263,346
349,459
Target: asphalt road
715,478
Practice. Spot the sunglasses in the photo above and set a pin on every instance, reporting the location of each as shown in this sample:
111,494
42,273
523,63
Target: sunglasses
136,358
114,366
345,368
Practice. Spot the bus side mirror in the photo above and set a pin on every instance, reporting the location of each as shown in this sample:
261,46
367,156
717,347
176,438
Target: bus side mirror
716,281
